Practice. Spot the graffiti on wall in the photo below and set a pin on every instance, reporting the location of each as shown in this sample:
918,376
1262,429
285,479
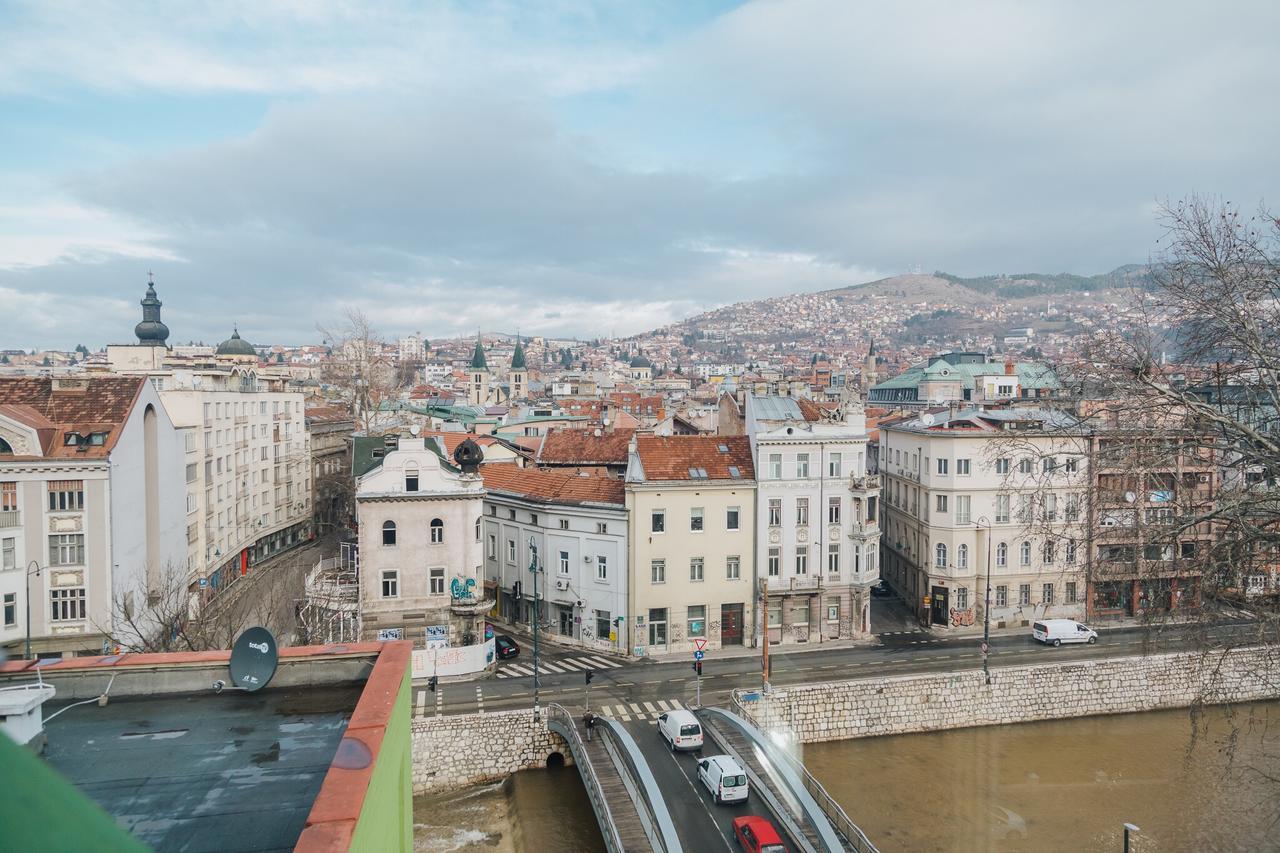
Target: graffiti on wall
961,618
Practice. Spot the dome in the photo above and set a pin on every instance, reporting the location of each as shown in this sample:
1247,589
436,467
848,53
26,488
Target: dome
235,345
640,361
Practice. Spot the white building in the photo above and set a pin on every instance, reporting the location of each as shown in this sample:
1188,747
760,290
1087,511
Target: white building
578,524
411,348
91,505
817,533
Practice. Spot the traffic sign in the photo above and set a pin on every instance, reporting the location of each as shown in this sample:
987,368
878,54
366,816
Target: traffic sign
699,644
699,654
984,648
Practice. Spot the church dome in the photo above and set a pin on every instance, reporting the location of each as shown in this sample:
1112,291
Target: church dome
640,361
235,345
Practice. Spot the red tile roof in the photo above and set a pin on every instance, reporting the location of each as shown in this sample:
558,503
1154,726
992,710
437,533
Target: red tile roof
81,404
584,447
552,486
671,457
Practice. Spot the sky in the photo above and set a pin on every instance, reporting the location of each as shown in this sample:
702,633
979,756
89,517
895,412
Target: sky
593,169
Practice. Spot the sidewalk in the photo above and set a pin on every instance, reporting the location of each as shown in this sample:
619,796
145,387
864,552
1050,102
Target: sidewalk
975,630
523,634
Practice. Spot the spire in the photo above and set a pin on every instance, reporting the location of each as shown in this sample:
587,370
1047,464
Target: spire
517,357
151,332
477,358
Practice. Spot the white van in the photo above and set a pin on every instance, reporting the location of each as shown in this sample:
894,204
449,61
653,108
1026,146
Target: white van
680,729
723,778
1058,631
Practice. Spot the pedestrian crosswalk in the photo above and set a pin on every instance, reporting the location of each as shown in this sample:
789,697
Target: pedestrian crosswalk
649,711
560,665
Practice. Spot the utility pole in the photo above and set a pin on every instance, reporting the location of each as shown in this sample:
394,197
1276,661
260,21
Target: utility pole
986,606
36,564
533,567
764,618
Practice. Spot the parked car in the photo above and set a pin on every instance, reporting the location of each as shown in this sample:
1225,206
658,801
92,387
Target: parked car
757,835
505,647
723,778
680,729
1055,632
881,590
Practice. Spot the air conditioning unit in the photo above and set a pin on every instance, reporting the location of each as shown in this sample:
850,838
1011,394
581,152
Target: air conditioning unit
1204,478
562,585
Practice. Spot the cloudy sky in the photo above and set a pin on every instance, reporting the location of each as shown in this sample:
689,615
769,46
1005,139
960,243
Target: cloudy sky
593,168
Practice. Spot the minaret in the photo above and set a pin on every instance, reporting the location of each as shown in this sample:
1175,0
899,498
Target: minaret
519,373
151,332
479,371
869,371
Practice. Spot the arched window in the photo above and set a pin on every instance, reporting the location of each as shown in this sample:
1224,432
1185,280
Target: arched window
940,556
1024,553
388,533
411,478
437,531
1049,551
477,530
5,449
962,556
1002,554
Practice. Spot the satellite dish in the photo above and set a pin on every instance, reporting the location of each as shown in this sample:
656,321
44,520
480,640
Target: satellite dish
1130,497
926,419
253,659
415,430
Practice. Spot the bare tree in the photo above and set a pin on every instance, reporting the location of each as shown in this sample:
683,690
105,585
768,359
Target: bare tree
359,367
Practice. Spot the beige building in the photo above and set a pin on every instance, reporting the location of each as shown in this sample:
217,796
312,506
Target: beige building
978,495
691,503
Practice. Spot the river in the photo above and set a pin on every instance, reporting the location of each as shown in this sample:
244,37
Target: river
1064,785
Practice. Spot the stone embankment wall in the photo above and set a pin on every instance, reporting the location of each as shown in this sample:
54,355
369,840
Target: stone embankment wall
469,749
918,703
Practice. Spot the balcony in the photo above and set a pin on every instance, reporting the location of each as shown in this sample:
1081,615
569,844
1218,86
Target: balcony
795,585
10,518
868,483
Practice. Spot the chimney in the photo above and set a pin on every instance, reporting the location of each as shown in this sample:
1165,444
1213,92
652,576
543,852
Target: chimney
1008,368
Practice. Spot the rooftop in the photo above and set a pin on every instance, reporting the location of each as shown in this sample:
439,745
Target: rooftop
57,407
553,486
693,458
584,447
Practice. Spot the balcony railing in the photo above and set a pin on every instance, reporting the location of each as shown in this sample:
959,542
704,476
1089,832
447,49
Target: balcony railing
10,518
865,483
799,583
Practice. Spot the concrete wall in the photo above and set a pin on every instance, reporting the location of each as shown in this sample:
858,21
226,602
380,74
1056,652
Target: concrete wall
469,749
917,703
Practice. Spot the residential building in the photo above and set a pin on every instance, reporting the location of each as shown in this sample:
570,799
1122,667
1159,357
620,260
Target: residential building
976,496
92,508
691,504
817,529
330,430
578,525
966,377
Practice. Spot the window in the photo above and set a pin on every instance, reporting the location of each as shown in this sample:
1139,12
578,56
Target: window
66,495
802,466
775,512
775,466
802,559
833,610
1024,554
1048,464
10,609
732,568
1073,508
8,554
942,466
511,514
192,471
1002,509
962,509
388,533
604,624
477,521
833,465
511,551
695,568
1187,550
437,531
833,510
437,581
833,558
411,480
962,467
657,626
1071,588
8,497
493,547
802,511
602,527
775,562
658,521
731,518
1024,594
66,549
1025,465
941,503
1002,554
564,562
1050,507
564,524
857,558
1002,466
390,584
1002,596
1072,465
533,518
695,519
657,571
800,612
67,604
1046,594
940,556
602,567
697,620
1071,551
962,598
962,556
1050,551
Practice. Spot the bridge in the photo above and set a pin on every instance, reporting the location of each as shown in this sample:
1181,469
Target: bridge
648,798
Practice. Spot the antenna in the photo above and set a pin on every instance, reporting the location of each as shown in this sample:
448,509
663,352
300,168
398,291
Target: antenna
253,661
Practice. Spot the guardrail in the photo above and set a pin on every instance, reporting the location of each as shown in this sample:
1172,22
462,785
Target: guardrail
563,723
661,830
840,820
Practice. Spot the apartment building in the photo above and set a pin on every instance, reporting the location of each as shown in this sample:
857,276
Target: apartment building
691,505
817,529
994,496
968,378
91,508
577,525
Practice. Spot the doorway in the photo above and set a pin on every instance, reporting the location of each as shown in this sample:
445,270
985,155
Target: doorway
731,624
938,606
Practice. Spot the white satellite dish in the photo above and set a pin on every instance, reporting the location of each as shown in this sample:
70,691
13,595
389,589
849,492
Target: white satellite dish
1130,497
926,419
415,430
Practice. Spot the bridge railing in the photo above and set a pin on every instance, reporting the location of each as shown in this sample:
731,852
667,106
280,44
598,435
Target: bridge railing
835,813
563,723
659,827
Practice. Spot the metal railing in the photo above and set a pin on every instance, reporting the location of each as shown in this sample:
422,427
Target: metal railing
11,518
563,723
660,829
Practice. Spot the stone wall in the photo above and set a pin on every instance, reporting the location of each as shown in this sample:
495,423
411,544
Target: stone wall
917,703
469,749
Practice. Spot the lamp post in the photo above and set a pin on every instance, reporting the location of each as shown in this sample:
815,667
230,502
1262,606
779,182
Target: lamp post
533,567
1128,827
986,604
36,572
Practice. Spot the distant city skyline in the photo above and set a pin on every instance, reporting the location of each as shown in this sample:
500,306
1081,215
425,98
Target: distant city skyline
593,169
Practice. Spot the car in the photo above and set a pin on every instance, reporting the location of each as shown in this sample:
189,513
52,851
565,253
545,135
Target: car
680,729
723,777
881,590
505,647
1058,631
757,835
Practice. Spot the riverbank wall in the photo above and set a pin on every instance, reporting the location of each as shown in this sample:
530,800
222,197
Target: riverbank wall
471,749
931,702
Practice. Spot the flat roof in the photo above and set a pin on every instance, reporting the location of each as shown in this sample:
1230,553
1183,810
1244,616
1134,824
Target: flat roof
205,772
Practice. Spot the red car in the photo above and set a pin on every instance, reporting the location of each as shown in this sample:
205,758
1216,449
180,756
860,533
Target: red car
757,835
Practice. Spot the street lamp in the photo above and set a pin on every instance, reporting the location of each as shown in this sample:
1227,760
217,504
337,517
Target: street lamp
986,604
533,567
1128,827
30,572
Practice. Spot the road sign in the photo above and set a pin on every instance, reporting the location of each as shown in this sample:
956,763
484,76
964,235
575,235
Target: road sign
613,636
699,644
984,648
699,654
